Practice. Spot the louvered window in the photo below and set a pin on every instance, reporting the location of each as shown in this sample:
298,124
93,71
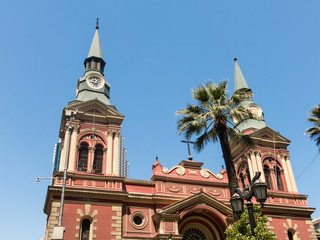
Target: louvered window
83,157
279,180
98,159
267,175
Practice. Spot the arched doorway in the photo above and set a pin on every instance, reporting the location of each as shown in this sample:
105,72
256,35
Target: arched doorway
202,224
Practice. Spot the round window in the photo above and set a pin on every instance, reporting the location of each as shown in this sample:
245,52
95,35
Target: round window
138,220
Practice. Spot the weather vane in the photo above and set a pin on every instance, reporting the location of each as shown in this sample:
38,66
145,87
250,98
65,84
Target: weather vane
188,144
97,27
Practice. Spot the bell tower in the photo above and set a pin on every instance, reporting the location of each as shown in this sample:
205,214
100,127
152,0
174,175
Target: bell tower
93,148
269,155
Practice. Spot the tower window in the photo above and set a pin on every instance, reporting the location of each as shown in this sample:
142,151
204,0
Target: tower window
85,229
279,181
95,65
242,180
248,176
89,65
267,175
83,157
98,159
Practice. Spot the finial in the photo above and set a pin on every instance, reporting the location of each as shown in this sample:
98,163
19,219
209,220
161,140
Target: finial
156,157
222,167
97,26
235,59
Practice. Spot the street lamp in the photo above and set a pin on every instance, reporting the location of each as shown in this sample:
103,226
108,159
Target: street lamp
258,189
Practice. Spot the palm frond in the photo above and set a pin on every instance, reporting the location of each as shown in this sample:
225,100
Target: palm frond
236,135
314,119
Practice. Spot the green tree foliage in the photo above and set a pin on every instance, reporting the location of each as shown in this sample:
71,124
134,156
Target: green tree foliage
211,119
241,230
314,119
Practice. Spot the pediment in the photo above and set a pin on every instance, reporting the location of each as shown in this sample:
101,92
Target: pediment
89,111
95,107
269,135
200,198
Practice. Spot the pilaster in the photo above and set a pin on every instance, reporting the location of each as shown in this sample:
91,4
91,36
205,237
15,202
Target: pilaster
116,154
73,148
109,152
293,181
64,150
286,172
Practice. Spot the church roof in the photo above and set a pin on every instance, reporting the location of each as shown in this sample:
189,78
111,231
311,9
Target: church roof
239,81
95,49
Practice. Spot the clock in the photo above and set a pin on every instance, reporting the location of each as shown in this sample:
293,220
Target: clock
95,82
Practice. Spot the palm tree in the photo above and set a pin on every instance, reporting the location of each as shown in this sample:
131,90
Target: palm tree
211,119
314,118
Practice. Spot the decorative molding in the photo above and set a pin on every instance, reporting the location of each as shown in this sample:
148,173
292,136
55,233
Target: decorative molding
214,192
174,188
180,170
194,190
205,174
89,183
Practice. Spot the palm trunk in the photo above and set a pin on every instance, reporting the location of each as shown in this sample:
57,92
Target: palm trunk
231,171
225,146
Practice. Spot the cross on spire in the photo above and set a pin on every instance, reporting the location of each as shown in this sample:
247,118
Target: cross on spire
97,26
188,144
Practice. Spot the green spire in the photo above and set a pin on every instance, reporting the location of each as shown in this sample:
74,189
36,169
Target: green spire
95,49
239,81
250,124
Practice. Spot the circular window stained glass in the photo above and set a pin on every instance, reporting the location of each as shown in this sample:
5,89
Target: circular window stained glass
194,234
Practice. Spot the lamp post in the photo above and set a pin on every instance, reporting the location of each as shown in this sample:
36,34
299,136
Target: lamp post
58,231
258,189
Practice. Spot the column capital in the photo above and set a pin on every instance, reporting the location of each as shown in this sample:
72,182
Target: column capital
75,127
116,131
257,152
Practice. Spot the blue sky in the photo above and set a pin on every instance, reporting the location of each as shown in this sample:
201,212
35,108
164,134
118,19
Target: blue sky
156,52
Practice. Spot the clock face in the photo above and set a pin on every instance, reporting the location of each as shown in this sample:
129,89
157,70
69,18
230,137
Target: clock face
95,82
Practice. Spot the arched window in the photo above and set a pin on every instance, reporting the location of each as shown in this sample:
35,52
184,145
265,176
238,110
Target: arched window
242,180
267,175
194,233
85,229
291,233
248,176
279,181
83,157
98,159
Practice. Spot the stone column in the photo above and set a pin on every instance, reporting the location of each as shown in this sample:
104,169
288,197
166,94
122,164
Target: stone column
116,154
73,148
109,152
250,165
273,179
90,159
63,150
260,167
253,162
286,173
293,181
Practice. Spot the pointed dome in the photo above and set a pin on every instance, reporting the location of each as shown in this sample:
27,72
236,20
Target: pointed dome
239,81
95,49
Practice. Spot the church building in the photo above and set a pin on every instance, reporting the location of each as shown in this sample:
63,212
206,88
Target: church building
184,201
